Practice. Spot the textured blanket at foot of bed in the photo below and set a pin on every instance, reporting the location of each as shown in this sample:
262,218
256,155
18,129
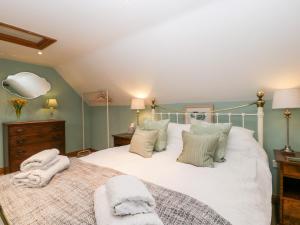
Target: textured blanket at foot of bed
69,200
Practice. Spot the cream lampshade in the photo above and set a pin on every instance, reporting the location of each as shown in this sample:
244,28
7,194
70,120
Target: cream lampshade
287,99
52,104
137,104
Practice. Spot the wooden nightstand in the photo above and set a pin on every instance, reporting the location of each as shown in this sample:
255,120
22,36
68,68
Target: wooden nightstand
289,173
122,139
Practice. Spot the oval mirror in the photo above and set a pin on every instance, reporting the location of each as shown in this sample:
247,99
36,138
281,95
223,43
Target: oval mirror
26,85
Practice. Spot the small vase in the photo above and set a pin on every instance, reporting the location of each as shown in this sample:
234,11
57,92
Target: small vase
18,113
18,105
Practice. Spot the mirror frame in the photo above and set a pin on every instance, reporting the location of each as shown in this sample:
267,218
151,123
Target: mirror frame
15,93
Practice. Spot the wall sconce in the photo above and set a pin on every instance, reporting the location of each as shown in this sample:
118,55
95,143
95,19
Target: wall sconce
52,105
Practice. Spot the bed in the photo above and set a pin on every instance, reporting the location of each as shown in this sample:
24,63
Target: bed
238,189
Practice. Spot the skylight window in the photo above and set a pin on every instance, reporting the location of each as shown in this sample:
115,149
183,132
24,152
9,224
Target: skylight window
23,37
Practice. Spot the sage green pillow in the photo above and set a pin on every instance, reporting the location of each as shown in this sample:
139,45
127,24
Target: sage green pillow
162,127
198,150
220,129
143,142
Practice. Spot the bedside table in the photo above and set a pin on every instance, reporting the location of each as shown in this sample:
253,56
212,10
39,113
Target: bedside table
289,173
122,139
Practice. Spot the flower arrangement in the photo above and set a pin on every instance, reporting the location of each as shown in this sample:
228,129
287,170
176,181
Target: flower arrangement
18,104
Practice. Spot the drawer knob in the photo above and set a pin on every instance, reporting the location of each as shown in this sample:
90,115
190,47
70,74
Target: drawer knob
19,156
20,151
19,130
20,141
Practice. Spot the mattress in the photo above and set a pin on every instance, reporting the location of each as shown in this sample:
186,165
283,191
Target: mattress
239,189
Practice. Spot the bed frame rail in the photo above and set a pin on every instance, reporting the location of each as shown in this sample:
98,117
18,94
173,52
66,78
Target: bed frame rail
217,113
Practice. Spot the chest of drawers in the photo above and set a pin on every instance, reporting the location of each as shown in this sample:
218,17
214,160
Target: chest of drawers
24,139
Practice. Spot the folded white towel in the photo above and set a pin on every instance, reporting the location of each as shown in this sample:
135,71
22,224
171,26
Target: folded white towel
127,195
40,178
41,160
104,214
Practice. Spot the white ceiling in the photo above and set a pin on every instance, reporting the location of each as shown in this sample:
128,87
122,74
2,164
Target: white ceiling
175,50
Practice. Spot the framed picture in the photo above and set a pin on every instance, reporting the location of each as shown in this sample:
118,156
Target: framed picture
199,112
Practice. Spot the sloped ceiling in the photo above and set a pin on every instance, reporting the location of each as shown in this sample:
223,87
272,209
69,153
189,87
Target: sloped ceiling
174,50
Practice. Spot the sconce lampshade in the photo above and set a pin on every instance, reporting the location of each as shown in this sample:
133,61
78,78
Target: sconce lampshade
52,103
137,104
286,99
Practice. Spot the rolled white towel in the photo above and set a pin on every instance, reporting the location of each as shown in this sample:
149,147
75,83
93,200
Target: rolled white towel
104,214
40,178
127,195
41,160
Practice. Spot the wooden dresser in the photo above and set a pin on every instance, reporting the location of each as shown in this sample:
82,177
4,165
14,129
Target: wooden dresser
24,139
289,173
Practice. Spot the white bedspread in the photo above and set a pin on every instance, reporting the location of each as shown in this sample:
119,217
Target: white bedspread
239,189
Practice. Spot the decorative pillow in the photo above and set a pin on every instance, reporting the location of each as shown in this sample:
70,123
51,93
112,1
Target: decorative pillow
175,130
220,129
162,127
198,150
143,142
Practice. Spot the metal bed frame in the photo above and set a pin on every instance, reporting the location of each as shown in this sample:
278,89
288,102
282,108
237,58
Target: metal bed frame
217,113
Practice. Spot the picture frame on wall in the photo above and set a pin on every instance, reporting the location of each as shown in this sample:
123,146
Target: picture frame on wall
199,112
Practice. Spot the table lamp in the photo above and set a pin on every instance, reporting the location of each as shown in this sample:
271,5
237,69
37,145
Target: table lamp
52,104
137,104
287,99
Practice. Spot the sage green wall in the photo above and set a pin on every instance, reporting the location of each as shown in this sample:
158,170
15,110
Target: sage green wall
274,132
69,103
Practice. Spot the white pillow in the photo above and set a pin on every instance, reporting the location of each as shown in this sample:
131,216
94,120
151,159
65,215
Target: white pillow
175,130
241,140
240,131
237,138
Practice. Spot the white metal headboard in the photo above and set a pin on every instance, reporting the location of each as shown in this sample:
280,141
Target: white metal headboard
260,115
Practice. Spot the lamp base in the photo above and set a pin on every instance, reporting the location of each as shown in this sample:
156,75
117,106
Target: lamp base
287,149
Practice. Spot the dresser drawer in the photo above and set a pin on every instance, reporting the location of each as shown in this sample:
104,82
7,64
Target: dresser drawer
291,212
35,129
28,150
21,140
21,153
291,170
18,130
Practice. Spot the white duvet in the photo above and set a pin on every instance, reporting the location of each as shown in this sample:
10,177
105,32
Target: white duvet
239,189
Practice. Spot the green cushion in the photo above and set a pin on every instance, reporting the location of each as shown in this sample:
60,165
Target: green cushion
221,129
198,150
162,127
143,142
